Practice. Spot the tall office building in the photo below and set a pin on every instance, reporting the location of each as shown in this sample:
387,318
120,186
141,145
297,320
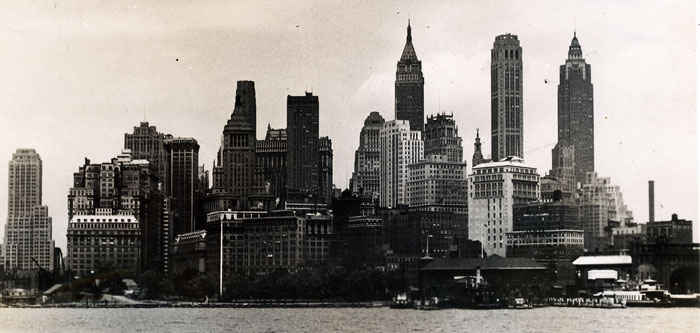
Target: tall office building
441,137
564,167
494,190
325,173
146,143
506,98
27,243
238,146
401,146
182,177
408,89
477,157
365,177
302,147
575,111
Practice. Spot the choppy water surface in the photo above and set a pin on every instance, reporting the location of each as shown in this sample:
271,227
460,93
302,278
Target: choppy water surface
350,320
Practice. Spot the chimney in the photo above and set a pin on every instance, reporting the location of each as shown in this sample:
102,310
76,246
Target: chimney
651,201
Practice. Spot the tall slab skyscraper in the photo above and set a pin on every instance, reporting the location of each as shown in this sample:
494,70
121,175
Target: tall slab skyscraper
28,243
408,89
575,112
506,98
302,146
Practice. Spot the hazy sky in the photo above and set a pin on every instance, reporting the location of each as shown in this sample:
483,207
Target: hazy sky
79,74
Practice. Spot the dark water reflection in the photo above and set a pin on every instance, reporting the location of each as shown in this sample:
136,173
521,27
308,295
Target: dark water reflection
350,320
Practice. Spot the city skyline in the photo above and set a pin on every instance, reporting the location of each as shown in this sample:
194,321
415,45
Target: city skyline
181,74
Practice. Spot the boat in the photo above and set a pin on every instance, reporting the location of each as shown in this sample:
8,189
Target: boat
401,301
520,303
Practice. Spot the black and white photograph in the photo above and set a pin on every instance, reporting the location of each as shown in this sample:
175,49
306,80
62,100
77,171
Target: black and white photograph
349,166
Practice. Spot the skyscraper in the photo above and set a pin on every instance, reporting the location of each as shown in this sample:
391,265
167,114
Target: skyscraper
28,243
408,89
441,137
182,177
238,147
400,147
575,110
146,143
506,98
325,173
302,146
365,177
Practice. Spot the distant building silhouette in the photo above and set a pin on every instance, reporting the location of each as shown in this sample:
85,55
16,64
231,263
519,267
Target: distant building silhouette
271,162
408,89
506,98
325,151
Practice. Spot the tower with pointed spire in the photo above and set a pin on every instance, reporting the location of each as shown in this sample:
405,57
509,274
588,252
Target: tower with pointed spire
575,114
238,145
477,158
408,89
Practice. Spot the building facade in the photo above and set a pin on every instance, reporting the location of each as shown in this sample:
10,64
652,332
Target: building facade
437,180
238,145
408,88
494,190
477,157
28,244
564,167
302,146
401,147
104,240
441,137
365,177
182,179
575,111
506,98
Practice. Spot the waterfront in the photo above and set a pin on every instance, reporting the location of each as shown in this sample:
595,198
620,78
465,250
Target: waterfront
549,319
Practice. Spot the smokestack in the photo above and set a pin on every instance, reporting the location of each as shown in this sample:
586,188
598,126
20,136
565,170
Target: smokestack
651,201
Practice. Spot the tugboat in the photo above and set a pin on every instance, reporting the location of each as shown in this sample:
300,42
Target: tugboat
476,293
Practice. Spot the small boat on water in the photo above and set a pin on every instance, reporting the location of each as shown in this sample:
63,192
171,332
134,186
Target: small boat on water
520,303
401,301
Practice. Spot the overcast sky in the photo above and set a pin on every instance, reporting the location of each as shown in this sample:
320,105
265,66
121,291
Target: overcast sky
79,74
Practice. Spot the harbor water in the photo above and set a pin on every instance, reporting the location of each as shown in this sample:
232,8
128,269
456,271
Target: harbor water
548,319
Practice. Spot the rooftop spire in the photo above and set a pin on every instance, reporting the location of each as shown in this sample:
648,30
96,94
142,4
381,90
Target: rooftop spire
408,35
575,48
409,54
